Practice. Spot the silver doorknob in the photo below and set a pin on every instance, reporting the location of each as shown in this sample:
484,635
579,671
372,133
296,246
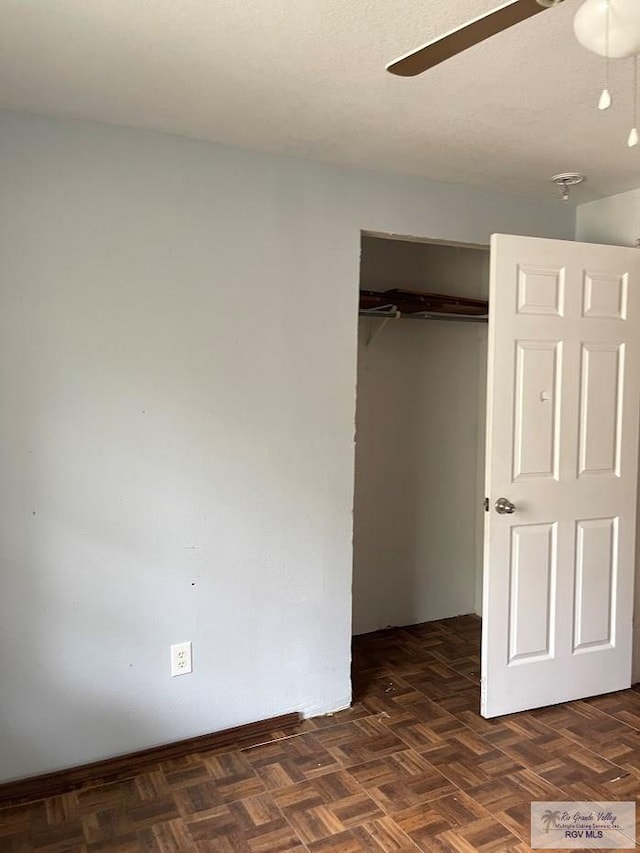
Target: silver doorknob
504,506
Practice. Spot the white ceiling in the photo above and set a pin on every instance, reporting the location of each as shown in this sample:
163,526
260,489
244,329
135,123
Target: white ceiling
307,78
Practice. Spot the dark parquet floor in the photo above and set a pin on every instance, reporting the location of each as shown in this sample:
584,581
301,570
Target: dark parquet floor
410,766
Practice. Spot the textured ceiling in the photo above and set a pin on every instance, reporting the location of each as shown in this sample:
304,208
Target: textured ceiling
307,78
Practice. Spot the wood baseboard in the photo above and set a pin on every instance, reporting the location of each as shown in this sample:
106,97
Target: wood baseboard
125,766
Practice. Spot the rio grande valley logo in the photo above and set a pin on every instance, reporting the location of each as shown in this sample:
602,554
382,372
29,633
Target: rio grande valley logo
583,826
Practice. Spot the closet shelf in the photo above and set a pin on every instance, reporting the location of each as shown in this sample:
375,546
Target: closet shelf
417,305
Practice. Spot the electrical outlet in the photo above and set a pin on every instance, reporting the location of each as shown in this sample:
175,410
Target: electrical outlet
181,663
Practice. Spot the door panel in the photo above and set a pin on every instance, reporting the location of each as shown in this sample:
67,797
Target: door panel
602,371
540,290
596,570
605,296
531,616
562,446
536,435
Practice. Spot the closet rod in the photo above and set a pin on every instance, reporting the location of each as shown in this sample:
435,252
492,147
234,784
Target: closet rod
423,315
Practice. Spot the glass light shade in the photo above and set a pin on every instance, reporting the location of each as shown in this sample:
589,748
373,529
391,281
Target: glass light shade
590,27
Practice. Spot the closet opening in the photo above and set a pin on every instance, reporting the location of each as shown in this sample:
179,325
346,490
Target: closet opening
419,472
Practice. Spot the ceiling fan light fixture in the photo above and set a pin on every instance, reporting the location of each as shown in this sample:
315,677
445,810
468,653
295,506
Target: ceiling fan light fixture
590,26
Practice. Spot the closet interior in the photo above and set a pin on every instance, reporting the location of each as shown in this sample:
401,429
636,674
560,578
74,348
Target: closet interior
420,423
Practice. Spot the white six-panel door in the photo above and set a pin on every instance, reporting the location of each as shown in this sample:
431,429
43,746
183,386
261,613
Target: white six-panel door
562,450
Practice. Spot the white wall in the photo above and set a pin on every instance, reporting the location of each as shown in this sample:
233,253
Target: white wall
419,444
178,352
616,221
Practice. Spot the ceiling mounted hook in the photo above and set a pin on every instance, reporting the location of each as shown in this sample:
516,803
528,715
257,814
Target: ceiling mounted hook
565,181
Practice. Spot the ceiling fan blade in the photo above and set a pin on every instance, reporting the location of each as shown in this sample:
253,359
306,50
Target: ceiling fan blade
456,41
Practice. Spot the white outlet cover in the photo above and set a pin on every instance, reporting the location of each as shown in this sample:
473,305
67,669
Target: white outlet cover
181,659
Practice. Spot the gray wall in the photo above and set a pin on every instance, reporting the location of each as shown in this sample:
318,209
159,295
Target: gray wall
437,268
614,220
178,348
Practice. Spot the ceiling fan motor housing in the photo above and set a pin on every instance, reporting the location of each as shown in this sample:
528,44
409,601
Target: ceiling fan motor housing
549,3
